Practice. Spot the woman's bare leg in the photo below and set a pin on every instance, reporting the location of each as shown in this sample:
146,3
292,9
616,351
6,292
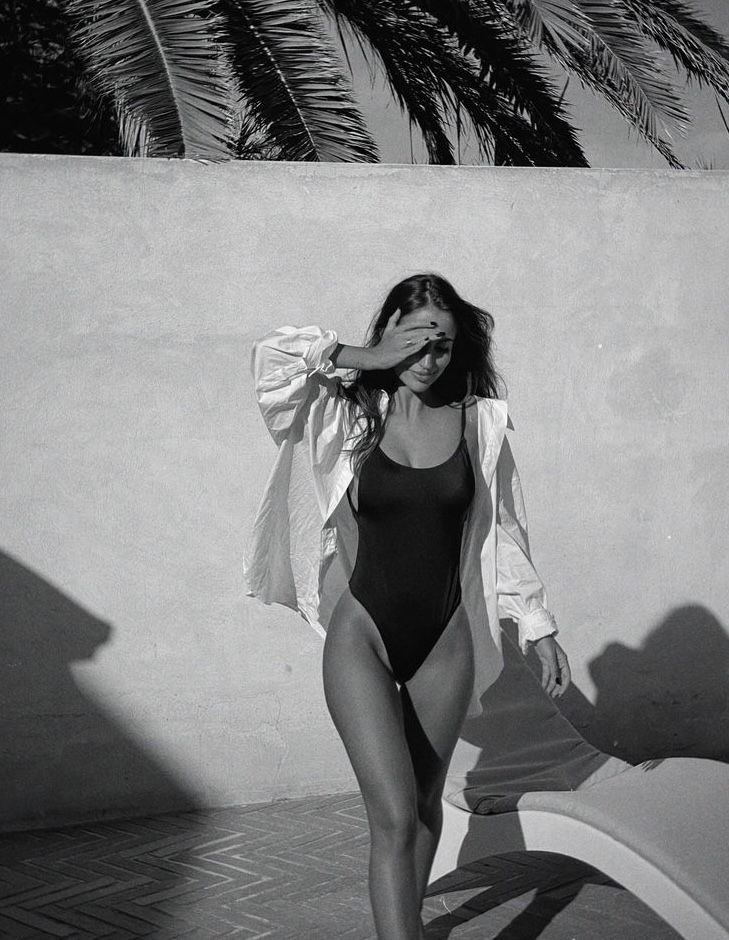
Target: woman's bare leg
365,705
435,702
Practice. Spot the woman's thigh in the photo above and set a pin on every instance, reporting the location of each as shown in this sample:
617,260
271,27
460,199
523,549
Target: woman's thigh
366,709
435,701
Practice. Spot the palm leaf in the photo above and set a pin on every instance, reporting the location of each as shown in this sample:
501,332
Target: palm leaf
562,19
297,97
164,65
133,132
612,58
431,78
694,46
627,62
384,36
509,65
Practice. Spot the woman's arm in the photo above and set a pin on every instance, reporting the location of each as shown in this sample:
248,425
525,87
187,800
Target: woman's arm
354,357
396,342
287,361
520,590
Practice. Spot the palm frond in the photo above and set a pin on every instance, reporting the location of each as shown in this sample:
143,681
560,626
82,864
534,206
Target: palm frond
296,94
563,19
164,65
133,132
408,73
509,66
429,76
695,47
624,59
612,59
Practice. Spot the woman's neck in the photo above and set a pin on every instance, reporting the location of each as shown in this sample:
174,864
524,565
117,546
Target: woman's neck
412,405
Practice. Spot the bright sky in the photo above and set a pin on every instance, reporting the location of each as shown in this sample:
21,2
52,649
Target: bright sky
605,137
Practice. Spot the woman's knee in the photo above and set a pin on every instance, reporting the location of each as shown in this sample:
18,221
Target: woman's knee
395,824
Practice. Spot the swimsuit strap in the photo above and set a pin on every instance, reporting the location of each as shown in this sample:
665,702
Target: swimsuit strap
463,428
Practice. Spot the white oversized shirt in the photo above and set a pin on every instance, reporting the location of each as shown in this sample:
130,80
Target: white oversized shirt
303,545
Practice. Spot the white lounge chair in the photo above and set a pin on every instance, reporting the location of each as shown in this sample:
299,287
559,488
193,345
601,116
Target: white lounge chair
523,778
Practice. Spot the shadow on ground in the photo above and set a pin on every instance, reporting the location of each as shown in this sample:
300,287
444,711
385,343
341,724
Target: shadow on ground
66,763
523,894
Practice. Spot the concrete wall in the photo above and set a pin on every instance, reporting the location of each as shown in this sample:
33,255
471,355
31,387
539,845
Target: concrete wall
134,674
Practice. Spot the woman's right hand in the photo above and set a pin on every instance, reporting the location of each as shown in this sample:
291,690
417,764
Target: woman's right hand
398,342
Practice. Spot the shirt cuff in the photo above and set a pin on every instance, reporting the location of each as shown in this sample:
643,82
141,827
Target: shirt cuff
317,355
535,625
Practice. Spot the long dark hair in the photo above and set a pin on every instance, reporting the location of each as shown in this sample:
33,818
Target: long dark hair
469,373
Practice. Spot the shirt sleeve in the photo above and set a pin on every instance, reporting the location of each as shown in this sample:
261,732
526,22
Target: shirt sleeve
520,591
284,363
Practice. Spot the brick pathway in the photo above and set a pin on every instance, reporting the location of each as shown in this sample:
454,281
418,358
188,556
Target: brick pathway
290,869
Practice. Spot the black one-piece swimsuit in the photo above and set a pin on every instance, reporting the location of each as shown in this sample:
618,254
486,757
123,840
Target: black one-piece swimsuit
406,575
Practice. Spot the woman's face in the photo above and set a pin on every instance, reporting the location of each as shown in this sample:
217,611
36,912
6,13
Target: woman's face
425,366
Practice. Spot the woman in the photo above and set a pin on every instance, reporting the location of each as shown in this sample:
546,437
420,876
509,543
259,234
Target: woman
412,455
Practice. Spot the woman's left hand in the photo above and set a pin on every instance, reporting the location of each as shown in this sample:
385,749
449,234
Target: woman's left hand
555,667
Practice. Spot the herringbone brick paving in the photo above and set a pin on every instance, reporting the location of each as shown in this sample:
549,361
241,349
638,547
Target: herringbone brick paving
290,869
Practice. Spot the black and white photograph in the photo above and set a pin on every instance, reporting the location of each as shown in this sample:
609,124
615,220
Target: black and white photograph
364,469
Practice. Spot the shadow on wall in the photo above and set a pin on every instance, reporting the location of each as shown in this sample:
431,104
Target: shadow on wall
523,742
62,758
668,698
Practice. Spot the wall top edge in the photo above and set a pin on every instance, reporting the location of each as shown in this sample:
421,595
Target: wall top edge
153,165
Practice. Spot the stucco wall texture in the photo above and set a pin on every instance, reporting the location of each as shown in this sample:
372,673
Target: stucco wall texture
135,674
